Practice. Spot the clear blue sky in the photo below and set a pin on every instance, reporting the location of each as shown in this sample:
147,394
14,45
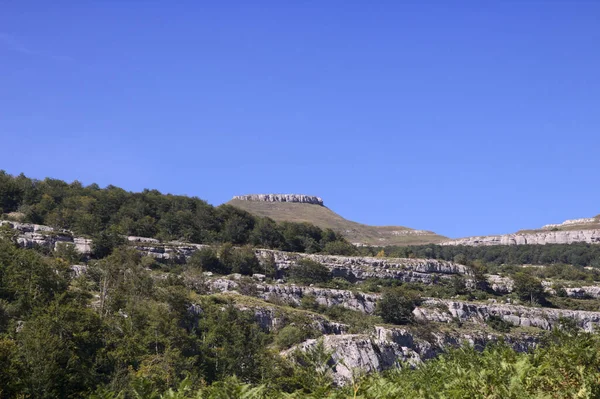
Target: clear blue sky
464,118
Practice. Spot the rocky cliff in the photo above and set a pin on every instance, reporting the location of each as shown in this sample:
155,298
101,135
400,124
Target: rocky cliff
582,222
299,198
30,235
388,347
536,238
444,310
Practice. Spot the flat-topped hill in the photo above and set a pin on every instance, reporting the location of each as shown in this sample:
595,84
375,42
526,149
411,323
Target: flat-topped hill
303,208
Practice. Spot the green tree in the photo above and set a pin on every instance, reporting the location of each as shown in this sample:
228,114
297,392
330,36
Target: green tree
206,259
308,271
266,235
529,288
105,242
397,304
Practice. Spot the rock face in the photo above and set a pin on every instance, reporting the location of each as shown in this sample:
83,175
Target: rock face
362,267
32,235
572,222
443,310
293,294
539,238
385,348
306,199
432,309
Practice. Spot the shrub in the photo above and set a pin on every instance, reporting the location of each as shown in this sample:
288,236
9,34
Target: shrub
308,271
397,304
206,259
289,336
498,323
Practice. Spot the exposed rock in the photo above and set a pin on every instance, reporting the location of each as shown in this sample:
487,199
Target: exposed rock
592,291
572,222
500,285
83,245
443,310
307,199
79,270
270,319
386,348
33,235
540,238
142,239
293,294
362,268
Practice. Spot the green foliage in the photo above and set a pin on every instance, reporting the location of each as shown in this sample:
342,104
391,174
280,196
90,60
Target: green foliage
206,259
340,248
576,254
396,305
308,271
106,214
105,242
498,324
358,322
528,288
290,335
566,367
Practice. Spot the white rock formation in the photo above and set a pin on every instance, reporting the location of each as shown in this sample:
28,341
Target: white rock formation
540,238
385,348
443,310
307,199
571,222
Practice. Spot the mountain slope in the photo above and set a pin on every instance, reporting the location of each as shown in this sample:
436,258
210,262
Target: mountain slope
324,217
586,230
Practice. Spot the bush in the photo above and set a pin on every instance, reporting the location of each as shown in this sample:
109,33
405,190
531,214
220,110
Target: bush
206,260
289,336
308,271
498,323
397,304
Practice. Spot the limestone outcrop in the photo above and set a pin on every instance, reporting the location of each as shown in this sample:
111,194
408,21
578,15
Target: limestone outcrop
362,267
537,238
444,310
293,294
300,198
30,235
572,222
385,348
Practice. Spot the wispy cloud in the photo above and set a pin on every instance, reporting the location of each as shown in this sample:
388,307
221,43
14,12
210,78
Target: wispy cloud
12,43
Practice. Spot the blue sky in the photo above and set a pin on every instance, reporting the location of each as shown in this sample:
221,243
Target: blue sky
464,118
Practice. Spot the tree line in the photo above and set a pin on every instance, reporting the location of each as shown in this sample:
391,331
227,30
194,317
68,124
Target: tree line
108,212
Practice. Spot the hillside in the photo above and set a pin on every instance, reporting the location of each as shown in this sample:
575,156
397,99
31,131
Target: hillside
583,230
315,213
140,310
199,319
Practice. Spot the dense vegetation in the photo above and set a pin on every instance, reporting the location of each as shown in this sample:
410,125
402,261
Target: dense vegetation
110,212
118,328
